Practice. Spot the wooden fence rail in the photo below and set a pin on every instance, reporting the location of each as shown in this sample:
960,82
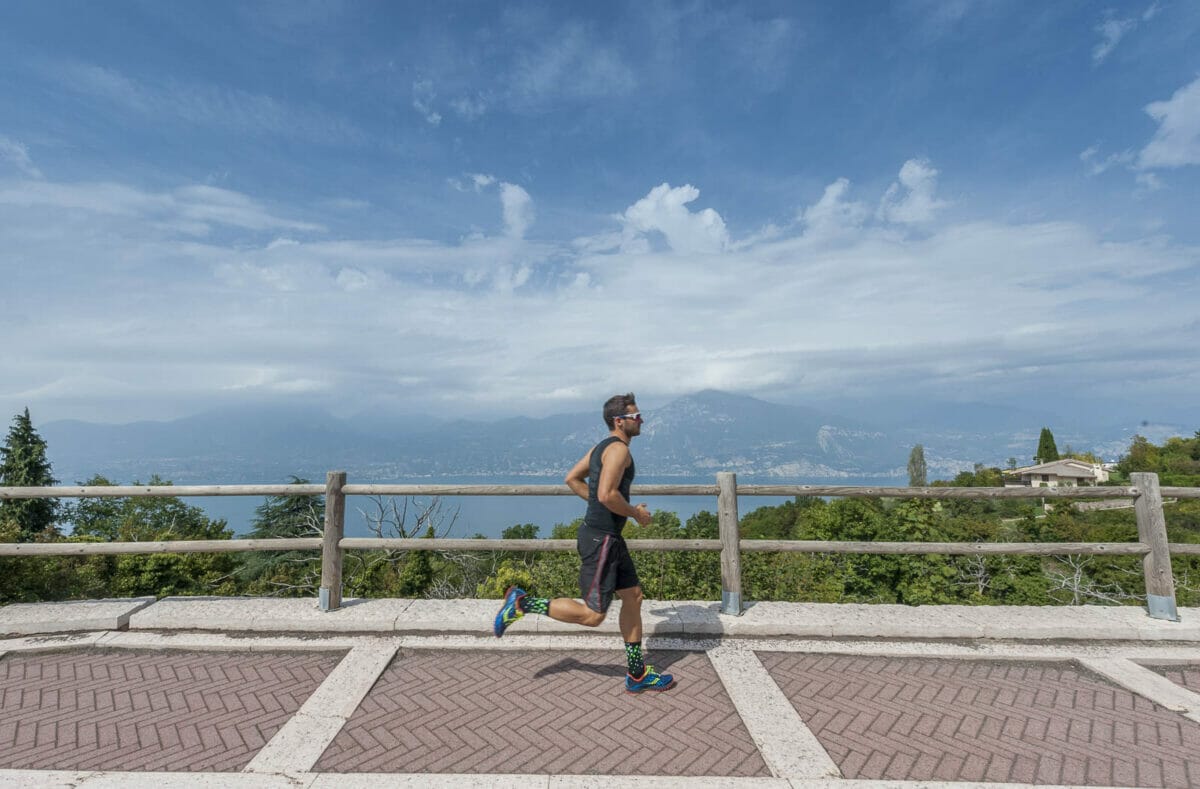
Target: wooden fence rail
1145,492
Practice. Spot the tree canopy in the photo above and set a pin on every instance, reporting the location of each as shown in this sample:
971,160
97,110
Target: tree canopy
23,463
1046,451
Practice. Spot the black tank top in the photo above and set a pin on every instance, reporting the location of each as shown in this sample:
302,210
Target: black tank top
598,516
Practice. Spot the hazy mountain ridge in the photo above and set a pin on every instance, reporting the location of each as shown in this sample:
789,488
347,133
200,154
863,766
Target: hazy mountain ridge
690,437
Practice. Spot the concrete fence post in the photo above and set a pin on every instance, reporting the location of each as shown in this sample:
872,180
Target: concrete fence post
1152,530
731,556
331,550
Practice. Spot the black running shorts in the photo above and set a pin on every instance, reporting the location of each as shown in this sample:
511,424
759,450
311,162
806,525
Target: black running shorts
606,567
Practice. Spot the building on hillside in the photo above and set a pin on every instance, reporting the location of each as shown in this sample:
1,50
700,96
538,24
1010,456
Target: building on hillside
1067,472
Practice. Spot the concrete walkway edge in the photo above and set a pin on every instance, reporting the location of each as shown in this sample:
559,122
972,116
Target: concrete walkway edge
661,619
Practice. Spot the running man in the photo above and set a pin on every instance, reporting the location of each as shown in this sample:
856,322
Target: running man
602,479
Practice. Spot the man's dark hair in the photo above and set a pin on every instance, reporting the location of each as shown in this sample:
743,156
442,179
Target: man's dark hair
615,406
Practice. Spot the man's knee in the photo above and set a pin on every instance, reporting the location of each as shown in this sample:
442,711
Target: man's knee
631,596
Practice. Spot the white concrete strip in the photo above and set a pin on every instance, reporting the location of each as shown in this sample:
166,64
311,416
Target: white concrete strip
299,744
986,650
227,643
50,642
42,779
859,783
662,782
197,781
69,615
679,618
1147,683
423,780
983,650
787,745
268,614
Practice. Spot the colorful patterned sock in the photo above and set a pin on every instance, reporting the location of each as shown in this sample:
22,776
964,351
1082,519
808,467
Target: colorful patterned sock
633,655
536,605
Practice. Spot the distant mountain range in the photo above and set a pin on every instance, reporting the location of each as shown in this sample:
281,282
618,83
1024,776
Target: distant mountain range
690,438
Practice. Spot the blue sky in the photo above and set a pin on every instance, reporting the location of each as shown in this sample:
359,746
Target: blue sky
482,209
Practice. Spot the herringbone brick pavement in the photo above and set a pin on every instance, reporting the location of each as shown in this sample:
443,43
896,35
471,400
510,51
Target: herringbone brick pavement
167,710
927,719
1185,676
543,713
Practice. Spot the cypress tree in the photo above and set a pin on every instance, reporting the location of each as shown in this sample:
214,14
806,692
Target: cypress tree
917,472
1046,451
23,463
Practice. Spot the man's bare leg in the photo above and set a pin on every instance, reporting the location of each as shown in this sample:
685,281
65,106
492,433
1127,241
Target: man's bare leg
564,609
631,614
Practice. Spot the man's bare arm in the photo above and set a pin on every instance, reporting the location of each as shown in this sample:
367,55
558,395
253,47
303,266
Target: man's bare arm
577,477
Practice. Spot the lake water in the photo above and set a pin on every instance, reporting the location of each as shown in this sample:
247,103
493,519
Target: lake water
491,515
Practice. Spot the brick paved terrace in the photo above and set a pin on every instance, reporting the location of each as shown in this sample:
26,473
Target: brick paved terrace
244,692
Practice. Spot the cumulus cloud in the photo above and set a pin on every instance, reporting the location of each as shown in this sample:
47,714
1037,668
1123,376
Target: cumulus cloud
665,210
518,209
833,215
911,200
1176,143
17,155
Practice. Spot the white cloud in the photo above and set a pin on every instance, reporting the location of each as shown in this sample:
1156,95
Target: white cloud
518,209
911,200
832,215
570,64
1147,183
1097,166
17,155
1177,141
212,106
1112,30
496,319
423,97
664,210
351,279
470,107
192,209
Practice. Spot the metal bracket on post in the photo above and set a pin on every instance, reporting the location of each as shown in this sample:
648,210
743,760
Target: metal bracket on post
731,603
323,598
1160,607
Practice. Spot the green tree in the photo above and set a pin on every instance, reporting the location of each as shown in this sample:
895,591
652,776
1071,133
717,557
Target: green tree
916,467
147,519
1046,451
279,517
417,574
23,463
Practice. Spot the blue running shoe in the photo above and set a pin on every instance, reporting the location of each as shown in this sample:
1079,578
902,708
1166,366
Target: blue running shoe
651,680
510,611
